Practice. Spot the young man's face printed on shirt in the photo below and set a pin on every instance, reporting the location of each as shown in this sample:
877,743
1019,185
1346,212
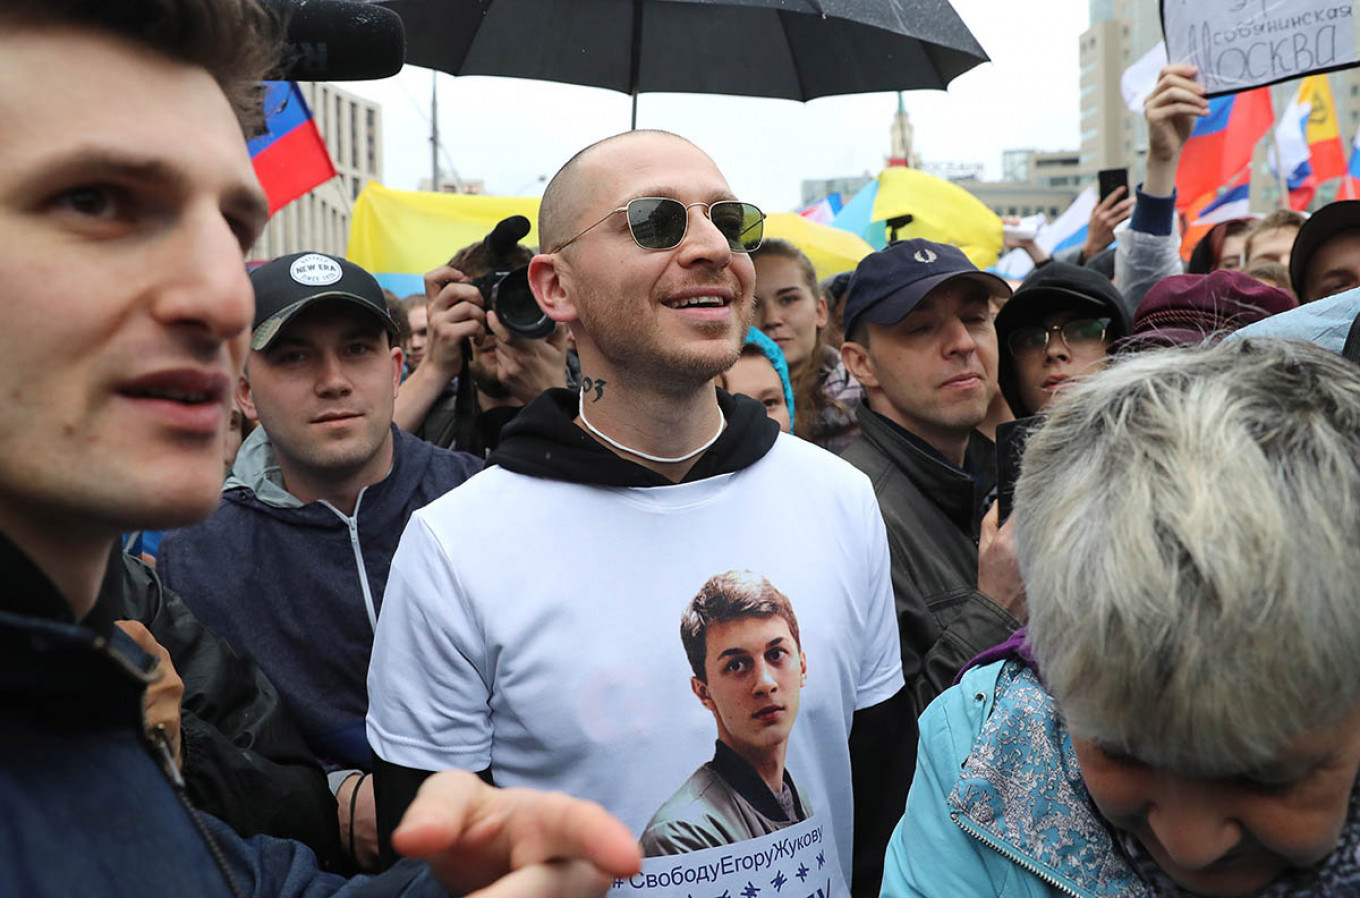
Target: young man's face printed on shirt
756,672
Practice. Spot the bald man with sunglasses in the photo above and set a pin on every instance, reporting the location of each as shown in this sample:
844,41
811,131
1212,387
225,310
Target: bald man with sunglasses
539,646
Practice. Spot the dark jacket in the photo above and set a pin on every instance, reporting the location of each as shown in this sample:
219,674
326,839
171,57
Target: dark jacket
90,806
244,760
932,511
298,587
455,421
723,802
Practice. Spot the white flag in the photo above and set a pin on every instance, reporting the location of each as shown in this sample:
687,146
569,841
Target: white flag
1292,142
1140,79
1065,231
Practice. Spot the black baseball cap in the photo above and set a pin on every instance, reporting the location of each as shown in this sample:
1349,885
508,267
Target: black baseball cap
287,285
1321,226
1059,285
890,283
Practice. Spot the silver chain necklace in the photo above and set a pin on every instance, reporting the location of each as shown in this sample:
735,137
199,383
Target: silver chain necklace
581,410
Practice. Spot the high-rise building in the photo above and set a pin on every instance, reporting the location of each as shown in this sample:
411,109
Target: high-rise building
352,129
1121,31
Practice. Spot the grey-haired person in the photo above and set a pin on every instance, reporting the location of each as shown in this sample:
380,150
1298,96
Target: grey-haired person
1182,716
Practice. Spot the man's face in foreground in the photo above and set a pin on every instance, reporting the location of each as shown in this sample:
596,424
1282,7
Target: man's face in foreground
755,673
126,201
631,301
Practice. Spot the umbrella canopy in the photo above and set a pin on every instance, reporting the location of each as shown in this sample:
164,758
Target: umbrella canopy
831,250
940,211
792,49
398,234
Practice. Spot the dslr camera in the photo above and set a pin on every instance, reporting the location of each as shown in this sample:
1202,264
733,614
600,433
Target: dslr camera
506,289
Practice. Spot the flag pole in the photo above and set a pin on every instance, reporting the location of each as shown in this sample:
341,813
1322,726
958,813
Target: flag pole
1279,159
434,130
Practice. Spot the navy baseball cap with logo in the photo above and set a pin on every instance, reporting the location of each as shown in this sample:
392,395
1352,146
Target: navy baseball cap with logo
287,285
890,283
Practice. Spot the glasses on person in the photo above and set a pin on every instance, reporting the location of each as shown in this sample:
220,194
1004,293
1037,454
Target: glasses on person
659,222
1079,333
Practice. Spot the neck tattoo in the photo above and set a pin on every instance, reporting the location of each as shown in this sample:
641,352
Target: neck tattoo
656,459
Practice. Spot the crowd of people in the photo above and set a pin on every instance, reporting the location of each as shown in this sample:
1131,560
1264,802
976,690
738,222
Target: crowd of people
317,590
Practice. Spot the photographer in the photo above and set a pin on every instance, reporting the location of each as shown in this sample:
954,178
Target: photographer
480,366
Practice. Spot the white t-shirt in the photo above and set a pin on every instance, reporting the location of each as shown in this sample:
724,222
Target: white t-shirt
532,627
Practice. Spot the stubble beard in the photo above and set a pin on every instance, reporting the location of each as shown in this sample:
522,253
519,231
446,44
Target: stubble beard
632,346
324,461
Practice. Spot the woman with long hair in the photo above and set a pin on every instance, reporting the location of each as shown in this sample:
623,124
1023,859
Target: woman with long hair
791,310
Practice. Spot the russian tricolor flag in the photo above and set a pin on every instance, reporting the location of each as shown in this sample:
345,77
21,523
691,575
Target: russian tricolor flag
1231,204
824,211
1294,156
291,158
1222,143
1350,185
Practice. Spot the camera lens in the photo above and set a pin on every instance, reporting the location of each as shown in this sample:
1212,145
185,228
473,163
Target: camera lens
518,310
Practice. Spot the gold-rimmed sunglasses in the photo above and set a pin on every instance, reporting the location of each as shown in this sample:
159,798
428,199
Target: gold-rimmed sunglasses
660,222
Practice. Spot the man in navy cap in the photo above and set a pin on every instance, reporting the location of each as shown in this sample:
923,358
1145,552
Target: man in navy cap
291,567
920,340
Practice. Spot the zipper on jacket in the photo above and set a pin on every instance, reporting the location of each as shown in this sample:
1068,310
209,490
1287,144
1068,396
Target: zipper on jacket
161,743
353,524
1014,857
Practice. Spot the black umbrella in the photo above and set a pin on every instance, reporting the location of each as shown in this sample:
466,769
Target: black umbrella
792,49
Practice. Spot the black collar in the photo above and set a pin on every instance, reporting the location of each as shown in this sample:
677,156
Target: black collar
742,777
919,442
544,441
28,591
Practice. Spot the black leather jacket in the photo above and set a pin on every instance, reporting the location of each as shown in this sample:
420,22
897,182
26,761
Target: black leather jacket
244,760
932,514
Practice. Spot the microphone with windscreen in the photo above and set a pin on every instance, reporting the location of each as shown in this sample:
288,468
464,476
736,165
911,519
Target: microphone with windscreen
338,40
504,237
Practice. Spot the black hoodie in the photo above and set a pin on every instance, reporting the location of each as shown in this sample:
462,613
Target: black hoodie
544,441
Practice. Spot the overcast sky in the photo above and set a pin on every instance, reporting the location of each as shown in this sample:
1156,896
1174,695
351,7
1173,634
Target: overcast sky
512,132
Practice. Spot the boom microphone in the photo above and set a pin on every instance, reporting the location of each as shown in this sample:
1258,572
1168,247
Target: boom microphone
339,40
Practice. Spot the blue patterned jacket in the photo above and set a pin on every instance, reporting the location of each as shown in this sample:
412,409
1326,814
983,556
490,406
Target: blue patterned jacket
998,806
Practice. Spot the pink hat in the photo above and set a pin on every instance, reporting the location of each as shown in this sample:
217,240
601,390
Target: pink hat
1190,309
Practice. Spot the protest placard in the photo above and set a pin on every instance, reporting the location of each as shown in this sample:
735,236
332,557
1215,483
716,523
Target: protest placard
1240,44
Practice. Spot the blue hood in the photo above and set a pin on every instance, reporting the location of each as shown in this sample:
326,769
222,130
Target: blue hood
1325,322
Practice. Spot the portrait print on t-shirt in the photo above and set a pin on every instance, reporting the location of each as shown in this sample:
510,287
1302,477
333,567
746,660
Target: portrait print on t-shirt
748,667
